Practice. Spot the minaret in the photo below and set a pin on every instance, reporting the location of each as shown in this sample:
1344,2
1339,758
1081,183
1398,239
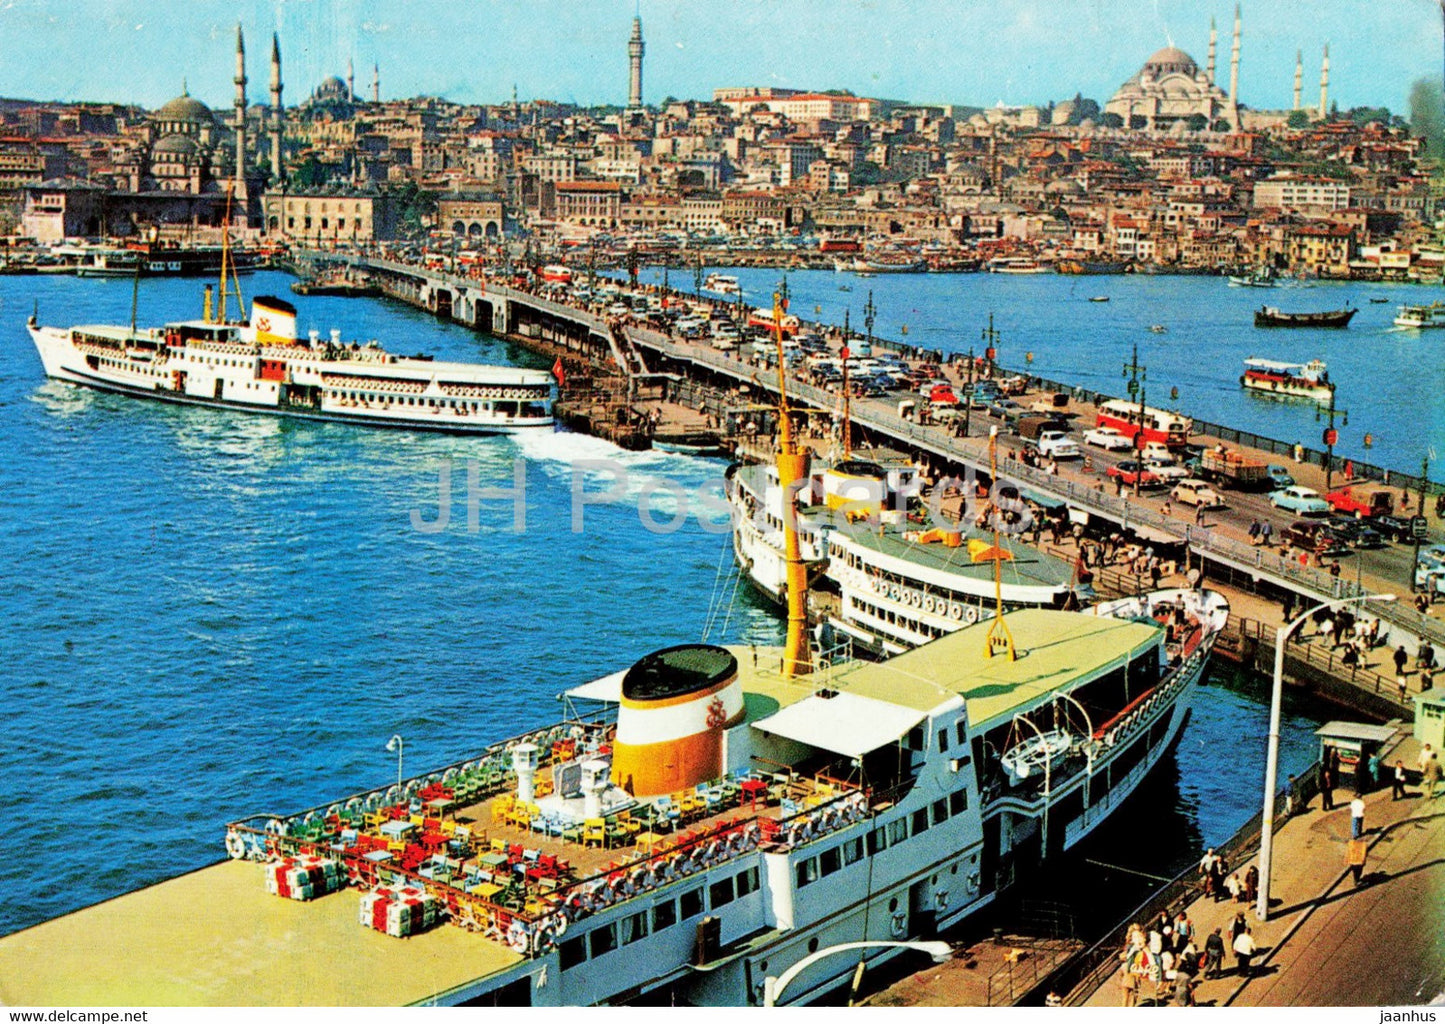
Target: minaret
1325,84
1213,40
276,109
1234,63
350,82
634,60
1299,72
376,83
240,114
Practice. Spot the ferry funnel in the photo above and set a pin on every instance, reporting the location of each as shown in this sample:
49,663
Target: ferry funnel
273,320
676,703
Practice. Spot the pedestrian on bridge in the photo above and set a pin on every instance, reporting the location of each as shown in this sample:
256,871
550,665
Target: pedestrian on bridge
1398,791
1254,529
1430,776
1401,657
1265,532
1214,954
1357,815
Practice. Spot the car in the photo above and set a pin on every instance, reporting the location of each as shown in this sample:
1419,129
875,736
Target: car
1196,492
1355,533
1168,474
1108,439
1279,476
1158,452
1313,536
1057,445
1361,503
1392,527
1004,408
1130,472
1304,500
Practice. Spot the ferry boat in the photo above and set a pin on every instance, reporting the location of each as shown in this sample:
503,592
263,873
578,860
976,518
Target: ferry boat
1261,278
160,260
721,284
1015,265
1289,380
263,367
556,273
1429,316
901,577
1273,316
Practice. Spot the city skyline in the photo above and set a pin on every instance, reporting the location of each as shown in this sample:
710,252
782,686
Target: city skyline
975,54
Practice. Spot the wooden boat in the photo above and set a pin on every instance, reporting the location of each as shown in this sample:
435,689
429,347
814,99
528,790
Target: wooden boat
1272,316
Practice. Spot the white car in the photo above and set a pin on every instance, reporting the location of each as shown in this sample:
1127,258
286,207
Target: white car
1196,492
1168,473
1158,453
1108,439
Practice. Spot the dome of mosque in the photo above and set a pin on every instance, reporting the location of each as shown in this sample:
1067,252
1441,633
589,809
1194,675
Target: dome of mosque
186,108
1171,60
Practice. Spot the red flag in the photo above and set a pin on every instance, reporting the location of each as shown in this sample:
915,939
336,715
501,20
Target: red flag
844,352
557,371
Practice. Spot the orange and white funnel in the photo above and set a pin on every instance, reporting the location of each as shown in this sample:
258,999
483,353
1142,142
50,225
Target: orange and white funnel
273,320
676,703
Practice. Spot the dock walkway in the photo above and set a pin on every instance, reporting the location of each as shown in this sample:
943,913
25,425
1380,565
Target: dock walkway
1329,942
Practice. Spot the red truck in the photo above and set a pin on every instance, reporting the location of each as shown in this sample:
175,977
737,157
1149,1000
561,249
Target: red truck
1361,504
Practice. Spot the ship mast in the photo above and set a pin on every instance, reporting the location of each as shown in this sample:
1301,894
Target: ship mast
847,392
1000,639
792,467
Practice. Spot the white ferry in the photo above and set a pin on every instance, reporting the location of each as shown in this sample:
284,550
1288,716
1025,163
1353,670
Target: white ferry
721,284
1015,265
901,578
712,821
1418,317
262,366
1289,380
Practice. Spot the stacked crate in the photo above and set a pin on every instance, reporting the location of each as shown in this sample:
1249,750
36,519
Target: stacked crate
399,911
303,877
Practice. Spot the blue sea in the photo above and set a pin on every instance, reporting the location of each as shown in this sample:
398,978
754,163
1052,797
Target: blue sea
206,615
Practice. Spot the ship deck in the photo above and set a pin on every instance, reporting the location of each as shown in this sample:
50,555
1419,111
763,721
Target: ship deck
215,937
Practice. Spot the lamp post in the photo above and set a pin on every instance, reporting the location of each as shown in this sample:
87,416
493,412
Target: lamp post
1271,763
773,987
395,744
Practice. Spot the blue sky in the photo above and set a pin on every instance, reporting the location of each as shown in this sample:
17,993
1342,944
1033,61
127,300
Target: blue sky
964,51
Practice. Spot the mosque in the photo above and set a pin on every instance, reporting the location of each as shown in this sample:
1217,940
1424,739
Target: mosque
1170,90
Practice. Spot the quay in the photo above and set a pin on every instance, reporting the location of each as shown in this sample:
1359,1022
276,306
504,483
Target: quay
632,357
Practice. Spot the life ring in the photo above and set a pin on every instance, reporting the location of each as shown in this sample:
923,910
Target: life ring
559,924
928,603
899,924
675,867
393,795
971,614
255,848
622,889
716,851
546,938
448,775
641,878
955,611
517,937
894,591
334,811
602,895
235,846
915,598
354,804
752,836
274,827
738,842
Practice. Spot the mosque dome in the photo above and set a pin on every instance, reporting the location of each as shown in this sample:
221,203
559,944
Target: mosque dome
1170,60
186,108
180,145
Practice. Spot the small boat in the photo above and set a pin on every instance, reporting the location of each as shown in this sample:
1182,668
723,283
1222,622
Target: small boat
1036,755
845,287
1272,316
721,284
1289,380
1158,329
1099,298
1261,278
1432,315
1379,300
685,443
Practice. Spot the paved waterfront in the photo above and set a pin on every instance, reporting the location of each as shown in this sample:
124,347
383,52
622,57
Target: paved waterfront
1328,942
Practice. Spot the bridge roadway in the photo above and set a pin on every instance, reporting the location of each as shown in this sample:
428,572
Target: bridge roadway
500,309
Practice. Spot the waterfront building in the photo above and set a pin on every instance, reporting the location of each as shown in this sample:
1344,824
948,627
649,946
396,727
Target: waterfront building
332,216
473,216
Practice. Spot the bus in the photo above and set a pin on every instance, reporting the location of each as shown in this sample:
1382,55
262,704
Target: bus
1165,427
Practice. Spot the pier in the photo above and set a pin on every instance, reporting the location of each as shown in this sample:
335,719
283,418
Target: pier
629,357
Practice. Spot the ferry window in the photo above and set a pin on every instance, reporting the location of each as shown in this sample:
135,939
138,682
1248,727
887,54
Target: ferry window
915,735
720,894
633,927
942,740
852,851
830,861
960,732
877,842
573,951
897,831
920,820
940,811
691,903
958,801
747,882
807,871
664,915
603,940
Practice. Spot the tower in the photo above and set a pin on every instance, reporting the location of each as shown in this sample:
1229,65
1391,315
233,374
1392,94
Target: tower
1299,71
350,82
634,61
376,83
240,192
276,114
1234,64
1213,40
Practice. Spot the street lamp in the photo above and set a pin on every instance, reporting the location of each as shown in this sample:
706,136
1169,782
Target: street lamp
395,744
773,987
1271,763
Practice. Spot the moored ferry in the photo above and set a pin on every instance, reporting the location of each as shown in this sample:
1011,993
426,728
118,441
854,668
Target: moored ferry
263,367
901,576
1015,265
721,284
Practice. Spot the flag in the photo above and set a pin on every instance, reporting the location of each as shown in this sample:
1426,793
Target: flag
844,353
557,371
